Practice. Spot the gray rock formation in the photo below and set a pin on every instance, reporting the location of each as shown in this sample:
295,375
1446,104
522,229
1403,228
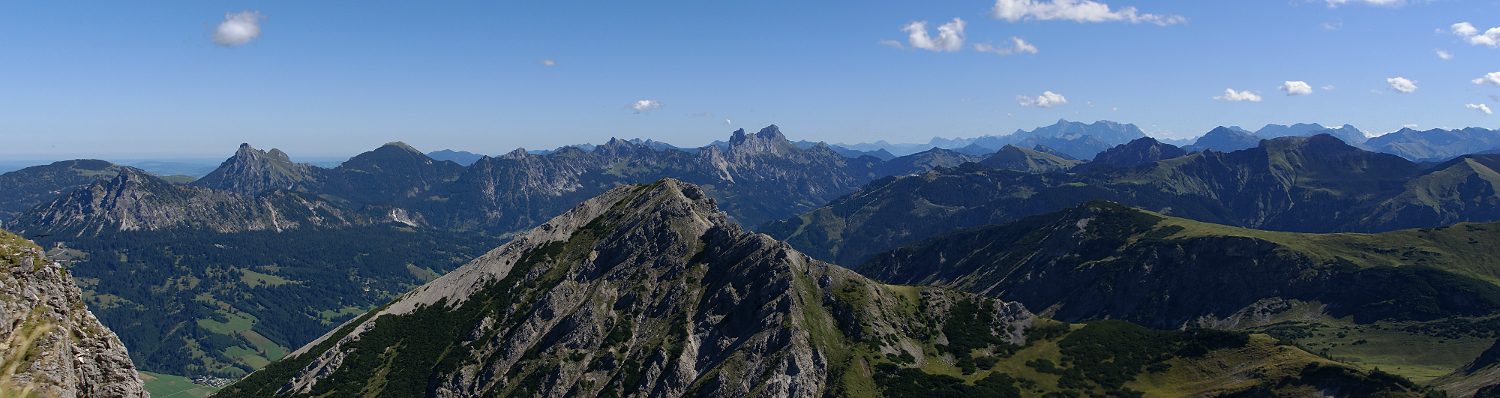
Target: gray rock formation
645,290
57,346
250,172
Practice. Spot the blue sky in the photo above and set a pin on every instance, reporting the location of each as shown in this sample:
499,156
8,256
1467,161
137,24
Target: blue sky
140,80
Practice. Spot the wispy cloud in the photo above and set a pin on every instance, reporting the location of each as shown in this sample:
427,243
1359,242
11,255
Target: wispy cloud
1489,79
950,36
1075,10
238,28
1443,54
1490,38
644,106
1048,99
1402,84
1329,88
704,114
1237,96
728,123
549,62
1333,25
1482,108
1296,88
1387,3
1017,46
893,43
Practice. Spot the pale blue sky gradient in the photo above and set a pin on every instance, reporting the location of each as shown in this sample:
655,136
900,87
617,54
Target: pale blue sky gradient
143,80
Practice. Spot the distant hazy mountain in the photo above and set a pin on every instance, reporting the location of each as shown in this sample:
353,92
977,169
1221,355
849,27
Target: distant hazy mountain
464,158
1348,133
1436,144
1076,146
171,168
1224,139
894,149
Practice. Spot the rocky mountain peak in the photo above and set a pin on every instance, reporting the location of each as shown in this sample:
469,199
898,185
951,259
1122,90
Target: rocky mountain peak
251,171
519,153
768,140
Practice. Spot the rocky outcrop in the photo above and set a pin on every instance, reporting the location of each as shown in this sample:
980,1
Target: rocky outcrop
645,290
57,346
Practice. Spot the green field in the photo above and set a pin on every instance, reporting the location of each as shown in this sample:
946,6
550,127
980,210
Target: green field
164,386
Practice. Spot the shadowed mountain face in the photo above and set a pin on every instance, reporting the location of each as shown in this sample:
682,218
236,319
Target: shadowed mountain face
1016,158
1138,152
1224,139
1436,144
1302,184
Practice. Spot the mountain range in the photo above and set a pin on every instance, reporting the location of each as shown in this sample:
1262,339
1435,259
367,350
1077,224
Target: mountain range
1300,184
648,290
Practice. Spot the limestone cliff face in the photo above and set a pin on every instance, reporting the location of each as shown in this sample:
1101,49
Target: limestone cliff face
644,291
63,351
133,201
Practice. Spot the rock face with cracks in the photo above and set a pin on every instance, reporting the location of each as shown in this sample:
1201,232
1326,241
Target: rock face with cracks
645,291
50,344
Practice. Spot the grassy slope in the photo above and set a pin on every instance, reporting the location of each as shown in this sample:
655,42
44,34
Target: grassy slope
1467,248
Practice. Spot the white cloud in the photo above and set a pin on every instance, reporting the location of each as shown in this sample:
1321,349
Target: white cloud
644,106
1048,99
1333,26
1296,88
1463,29
549,62
1489,79
1237,96
238,28
1074,10
893,43
950,36
1402,84
728,123
1443,54
1482,108
704,114
1490,38
1329,88
1017,46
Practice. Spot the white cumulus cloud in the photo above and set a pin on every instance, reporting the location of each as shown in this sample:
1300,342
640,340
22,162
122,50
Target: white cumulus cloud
238,28
1402,84
1490,38
1075,10
1489,79
644,106
1017,46
1444,54
1482,108
1237,96
950,36
1296,88
1048,99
